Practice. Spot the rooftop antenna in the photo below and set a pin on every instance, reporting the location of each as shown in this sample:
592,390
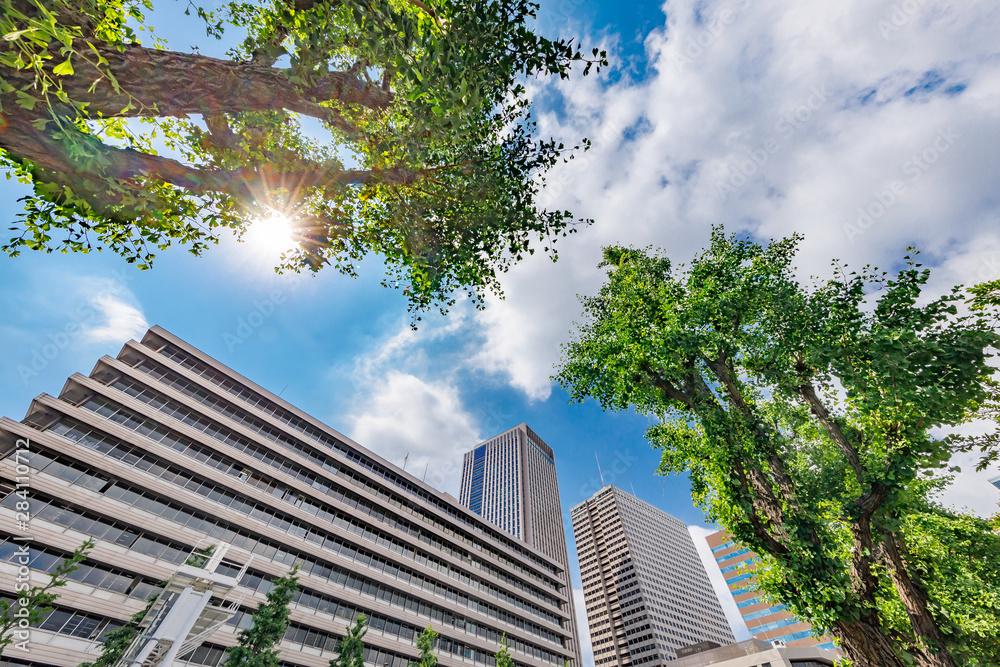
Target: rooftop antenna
633,488
424,478
282,391
599,469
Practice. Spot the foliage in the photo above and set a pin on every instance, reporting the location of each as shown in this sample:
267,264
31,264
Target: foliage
116,643
957,557
426,154
257,645
351,648
801,416
426,643
985,299
503,658
30,606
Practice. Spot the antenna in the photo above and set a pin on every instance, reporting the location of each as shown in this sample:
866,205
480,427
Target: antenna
633,488
599,469
424,478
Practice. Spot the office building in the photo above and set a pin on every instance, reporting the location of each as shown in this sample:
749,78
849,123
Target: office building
164,452
510,480
755,653
646,590
765,621
995,481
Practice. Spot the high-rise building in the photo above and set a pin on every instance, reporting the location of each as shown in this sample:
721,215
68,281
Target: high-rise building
765,621
646,590
163,451
510,480
995,481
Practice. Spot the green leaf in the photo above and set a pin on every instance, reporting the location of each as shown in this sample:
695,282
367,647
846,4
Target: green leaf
64,68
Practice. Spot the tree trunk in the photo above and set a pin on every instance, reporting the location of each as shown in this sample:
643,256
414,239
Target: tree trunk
865,644
914,598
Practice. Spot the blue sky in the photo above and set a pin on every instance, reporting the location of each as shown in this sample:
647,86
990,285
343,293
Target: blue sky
867,126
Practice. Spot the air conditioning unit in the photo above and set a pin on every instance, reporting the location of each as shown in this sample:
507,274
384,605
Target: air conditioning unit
778,643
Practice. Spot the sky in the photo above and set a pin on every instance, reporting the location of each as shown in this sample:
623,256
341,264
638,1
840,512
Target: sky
867,126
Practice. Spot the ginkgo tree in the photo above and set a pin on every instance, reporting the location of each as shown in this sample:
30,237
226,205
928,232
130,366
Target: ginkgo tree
806,420
396,127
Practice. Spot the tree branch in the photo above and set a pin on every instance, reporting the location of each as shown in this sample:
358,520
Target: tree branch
152,83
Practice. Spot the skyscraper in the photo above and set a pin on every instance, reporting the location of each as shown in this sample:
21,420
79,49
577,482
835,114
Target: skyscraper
510,480
163,450
767,622
646,590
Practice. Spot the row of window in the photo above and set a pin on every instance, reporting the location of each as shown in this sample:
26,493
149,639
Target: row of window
98,575
302,426
86,625
765,612
268,456
309,599
150,502
103,528
730,568
78,624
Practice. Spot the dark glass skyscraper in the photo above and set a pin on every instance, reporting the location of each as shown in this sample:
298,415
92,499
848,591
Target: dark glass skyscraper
510,480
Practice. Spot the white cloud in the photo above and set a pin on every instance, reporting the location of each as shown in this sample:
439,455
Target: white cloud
971,491
729,608
407,405
586,650
404,414
782,117
117,320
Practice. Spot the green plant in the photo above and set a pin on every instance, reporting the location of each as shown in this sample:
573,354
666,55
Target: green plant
803,419
258,644
427,154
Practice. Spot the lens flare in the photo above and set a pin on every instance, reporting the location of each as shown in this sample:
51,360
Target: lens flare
271,234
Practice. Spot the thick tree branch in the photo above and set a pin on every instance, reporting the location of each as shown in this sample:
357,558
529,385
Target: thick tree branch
123,164
808,394
153,83
915,601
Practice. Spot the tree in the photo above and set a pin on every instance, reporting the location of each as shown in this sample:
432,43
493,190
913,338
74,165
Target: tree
30,606
257,645
503,658
802,418
351,648
116,643
426,643
985,299
958,561
426,152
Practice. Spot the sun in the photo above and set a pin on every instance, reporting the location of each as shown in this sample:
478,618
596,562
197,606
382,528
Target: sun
272,234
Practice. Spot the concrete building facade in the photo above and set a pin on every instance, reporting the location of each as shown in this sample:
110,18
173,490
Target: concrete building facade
757,653
765,621
510,480
645,588
164,450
